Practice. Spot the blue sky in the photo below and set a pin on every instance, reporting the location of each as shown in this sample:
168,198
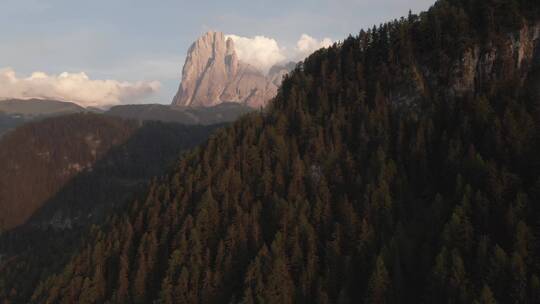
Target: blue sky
147,40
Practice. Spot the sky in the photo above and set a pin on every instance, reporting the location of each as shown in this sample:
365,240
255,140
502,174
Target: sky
104,52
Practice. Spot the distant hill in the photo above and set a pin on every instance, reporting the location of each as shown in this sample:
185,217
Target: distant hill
15,112
39,107
225,112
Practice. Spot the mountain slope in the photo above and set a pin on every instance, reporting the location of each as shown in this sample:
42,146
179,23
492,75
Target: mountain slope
394,167
39,159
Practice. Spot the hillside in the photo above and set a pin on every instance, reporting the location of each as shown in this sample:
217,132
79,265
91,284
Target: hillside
399,166
39,158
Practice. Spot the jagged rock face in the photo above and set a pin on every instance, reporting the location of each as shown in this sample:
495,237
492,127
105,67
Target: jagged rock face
485,67
213,74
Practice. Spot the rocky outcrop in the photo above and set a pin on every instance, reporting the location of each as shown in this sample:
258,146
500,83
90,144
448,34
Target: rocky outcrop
213,74
479,68
485,67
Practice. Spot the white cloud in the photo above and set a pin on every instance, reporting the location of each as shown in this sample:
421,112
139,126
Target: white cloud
75,87
263,52
259,51
307,45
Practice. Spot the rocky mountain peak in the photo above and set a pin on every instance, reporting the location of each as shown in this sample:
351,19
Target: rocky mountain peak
213,74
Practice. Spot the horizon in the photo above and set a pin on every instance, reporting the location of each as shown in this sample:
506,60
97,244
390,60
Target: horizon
106,58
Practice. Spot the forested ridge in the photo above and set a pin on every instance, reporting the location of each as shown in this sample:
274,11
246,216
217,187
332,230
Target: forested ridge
380,173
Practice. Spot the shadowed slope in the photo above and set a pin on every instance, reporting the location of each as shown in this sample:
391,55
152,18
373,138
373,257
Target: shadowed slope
129,155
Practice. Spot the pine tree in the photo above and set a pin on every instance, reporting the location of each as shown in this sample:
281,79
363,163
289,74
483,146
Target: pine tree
486,296
379,289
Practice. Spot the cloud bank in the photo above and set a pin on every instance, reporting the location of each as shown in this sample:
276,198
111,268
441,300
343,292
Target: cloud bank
259,51
74,87
264,52
307,45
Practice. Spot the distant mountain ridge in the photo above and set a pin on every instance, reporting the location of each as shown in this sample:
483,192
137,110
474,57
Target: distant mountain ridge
213,74
33,107
15,112
221,113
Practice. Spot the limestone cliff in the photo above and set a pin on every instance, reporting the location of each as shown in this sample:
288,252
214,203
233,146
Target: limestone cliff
213,74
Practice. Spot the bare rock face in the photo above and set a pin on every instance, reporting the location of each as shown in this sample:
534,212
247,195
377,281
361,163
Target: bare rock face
479,67
486,66
213,74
